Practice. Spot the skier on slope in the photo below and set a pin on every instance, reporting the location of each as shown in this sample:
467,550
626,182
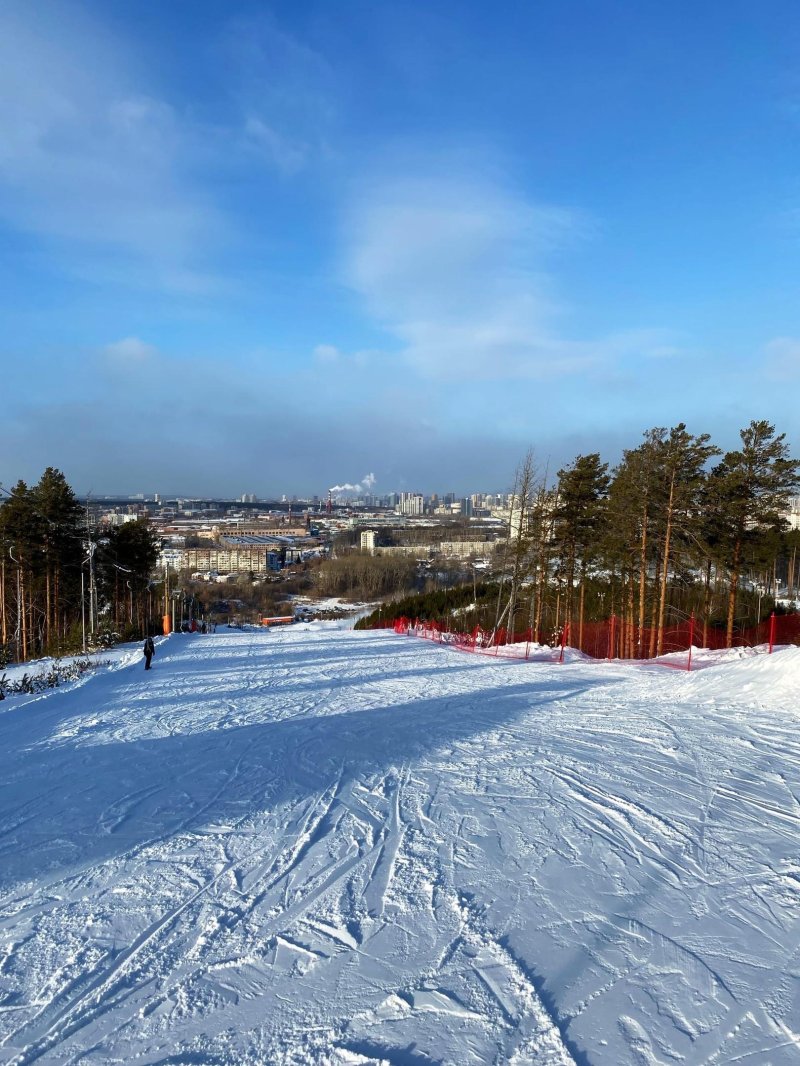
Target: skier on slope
149,651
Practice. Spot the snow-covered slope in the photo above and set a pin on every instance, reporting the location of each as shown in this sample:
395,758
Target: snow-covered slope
322,846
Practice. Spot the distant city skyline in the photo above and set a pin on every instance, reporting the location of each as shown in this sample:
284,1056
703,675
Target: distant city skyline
272,247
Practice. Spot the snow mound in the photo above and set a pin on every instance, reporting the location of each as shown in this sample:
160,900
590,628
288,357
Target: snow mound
749,676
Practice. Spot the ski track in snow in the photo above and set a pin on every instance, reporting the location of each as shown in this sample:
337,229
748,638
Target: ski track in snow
321,846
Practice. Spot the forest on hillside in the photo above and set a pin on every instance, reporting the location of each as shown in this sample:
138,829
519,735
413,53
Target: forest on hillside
60,581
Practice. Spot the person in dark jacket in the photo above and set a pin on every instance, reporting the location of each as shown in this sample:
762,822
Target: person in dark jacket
149,651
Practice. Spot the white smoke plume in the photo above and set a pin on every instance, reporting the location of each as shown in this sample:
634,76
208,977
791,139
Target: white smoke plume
365,485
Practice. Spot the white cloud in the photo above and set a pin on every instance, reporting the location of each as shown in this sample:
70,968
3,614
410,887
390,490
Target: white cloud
287,155
88,156
117,176
782,358
130,351
326,353
457,270
285,91
454,269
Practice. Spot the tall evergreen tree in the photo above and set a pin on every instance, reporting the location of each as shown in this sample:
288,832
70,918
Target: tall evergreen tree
126,562
582,491
682,458
751,490
21,536
633,497
59,514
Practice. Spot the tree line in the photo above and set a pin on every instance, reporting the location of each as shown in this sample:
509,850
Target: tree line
360,575
675,514
677,527
61,581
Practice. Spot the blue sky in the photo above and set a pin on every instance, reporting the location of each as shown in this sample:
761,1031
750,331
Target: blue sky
273,247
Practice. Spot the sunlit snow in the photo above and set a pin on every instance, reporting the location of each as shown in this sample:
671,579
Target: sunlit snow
323,846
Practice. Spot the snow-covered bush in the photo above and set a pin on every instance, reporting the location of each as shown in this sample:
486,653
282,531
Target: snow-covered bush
51,676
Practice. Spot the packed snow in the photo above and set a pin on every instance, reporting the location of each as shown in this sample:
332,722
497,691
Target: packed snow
314,845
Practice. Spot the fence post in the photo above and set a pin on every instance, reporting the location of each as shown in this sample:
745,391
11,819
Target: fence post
612,634
691,641
771,632
564,636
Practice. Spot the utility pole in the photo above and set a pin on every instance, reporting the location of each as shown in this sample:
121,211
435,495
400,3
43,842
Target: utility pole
166,598
83,613
19,624
92,589
3,626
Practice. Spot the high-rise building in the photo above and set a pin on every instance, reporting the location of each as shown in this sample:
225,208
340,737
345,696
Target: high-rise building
411,503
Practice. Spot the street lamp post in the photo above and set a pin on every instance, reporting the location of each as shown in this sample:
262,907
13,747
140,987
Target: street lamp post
92,591
20,607
83,611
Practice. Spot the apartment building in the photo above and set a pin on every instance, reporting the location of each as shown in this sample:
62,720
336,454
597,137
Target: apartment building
411,503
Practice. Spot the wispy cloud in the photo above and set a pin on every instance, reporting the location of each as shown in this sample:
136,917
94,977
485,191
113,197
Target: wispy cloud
781,357
285,93
130,351
458,271
327,353
120,180
89,158
455,270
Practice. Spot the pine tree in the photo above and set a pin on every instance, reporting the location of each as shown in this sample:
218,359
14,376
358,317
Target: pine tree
126,562
21,536
682,459
517,548
580,512
751,489
633,497
59,515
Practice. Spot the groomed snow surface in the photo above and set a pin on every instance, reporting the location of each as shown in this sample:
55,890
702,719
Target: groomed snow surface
314,845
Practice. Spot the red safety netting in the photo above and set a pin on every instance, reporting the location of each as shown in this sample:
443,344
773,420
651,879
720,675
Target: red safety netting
609,639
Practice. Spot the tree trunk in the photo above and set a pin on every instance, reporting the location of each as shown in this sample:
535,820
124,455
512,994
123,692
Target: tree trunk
662,596
3,620
732,590
531,629
537,622
544,559
653,617
642,586
569,595
47,606
707,604
56,604
22,615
